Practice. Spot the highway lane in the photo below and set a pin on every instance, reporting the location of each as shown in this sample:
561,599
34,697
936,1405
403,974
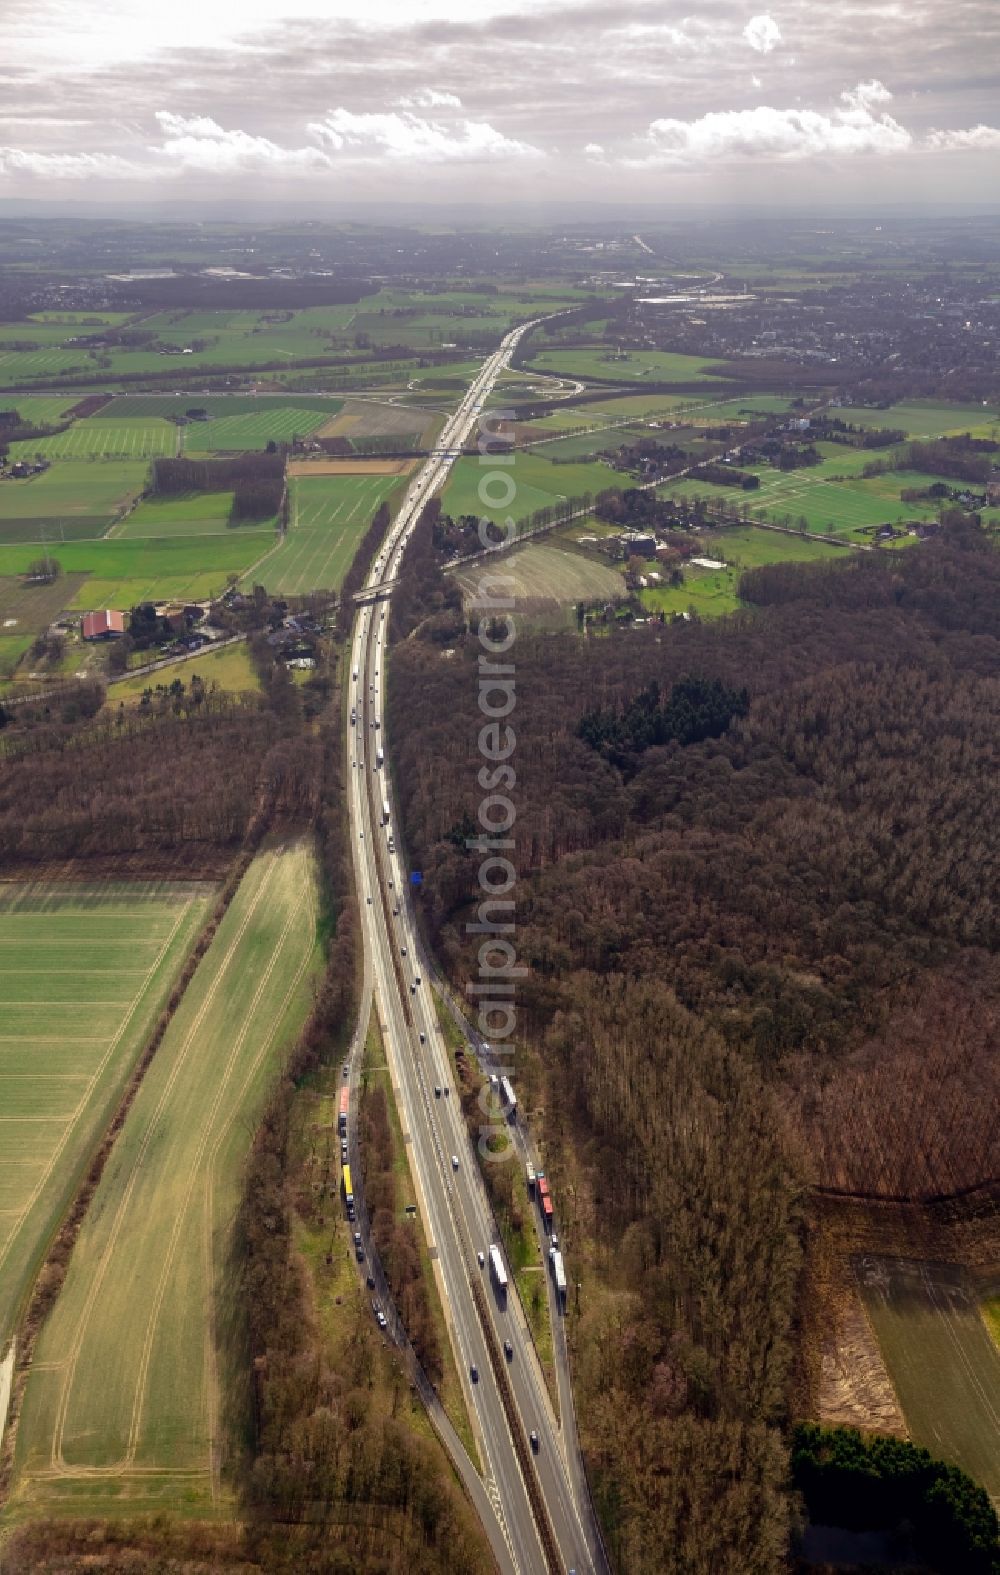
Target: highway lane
453,1201
435,1179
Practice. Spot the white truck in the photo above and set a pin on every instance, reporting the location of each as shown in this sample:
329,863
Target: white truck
498,1271
385,812
509,1099
558,1274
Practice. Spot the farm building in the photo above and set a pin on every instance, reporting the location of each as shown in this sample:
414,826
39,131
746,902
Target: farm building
638,545
105,625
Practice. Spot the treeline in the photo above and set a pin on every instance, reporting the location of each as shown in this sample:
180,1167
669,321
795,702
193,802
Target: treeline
356,575
395,1239
15,429
961,458
425,595
637,507
756,962
197,293
142,785
26,714
966,459
874,1482
256,480
726,476
667,457
834,430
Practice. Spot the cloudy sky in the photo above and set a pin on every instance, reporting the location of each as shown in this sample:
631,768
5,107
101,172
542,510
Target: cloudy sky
861,99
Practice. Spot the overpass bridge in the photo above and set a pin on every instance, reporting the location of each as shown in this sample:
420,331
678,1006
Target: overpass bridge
375,593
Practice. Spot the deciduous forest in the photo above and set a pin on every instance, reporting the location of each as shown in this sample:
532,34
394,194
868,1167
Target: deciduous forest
766,958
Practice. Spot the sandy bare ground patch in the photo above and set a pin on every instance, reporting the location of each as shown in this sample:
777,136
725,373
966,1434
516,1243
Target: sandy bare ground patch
368,418
855,1389
546,577
350,467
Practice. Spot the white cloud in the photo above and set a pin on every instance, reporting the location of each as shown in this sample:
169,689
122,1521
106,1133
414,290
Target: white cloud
762,33
974,139
407,137
866,94
594,150
783,134
430,98
196,142
65,166
755,82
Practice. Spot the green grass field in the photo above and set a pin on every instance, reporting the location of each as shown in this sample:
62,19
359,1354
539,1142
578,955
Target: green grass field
924,418
254,429
273,341
712,592
536,480
122,1410
605,364
90,439
942,1362
84,970
84,318
42,365
12,649
41,409
191,514
329,516
230,669
121,572
836,508
71,500
167,407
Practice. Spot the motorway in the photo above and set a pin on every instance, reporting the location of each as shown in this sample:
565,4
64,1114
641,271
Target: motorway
551,1529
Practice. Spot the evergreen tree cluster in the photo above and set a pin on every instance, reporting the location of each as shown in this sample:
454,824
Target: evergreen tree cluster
873,1481
695,709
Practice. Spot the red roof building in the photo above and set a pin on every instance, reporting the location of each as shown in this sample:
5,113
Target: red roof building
105,625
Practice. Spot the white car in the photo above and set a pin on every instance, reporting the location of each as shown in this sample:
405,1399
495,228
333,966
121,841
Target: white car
454,1162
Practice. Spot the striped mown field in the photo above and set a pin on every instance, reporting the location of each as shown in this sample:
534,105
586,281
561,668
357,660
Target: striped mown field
84,970
329,516
253,429
944,1366
122,1405
91,439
